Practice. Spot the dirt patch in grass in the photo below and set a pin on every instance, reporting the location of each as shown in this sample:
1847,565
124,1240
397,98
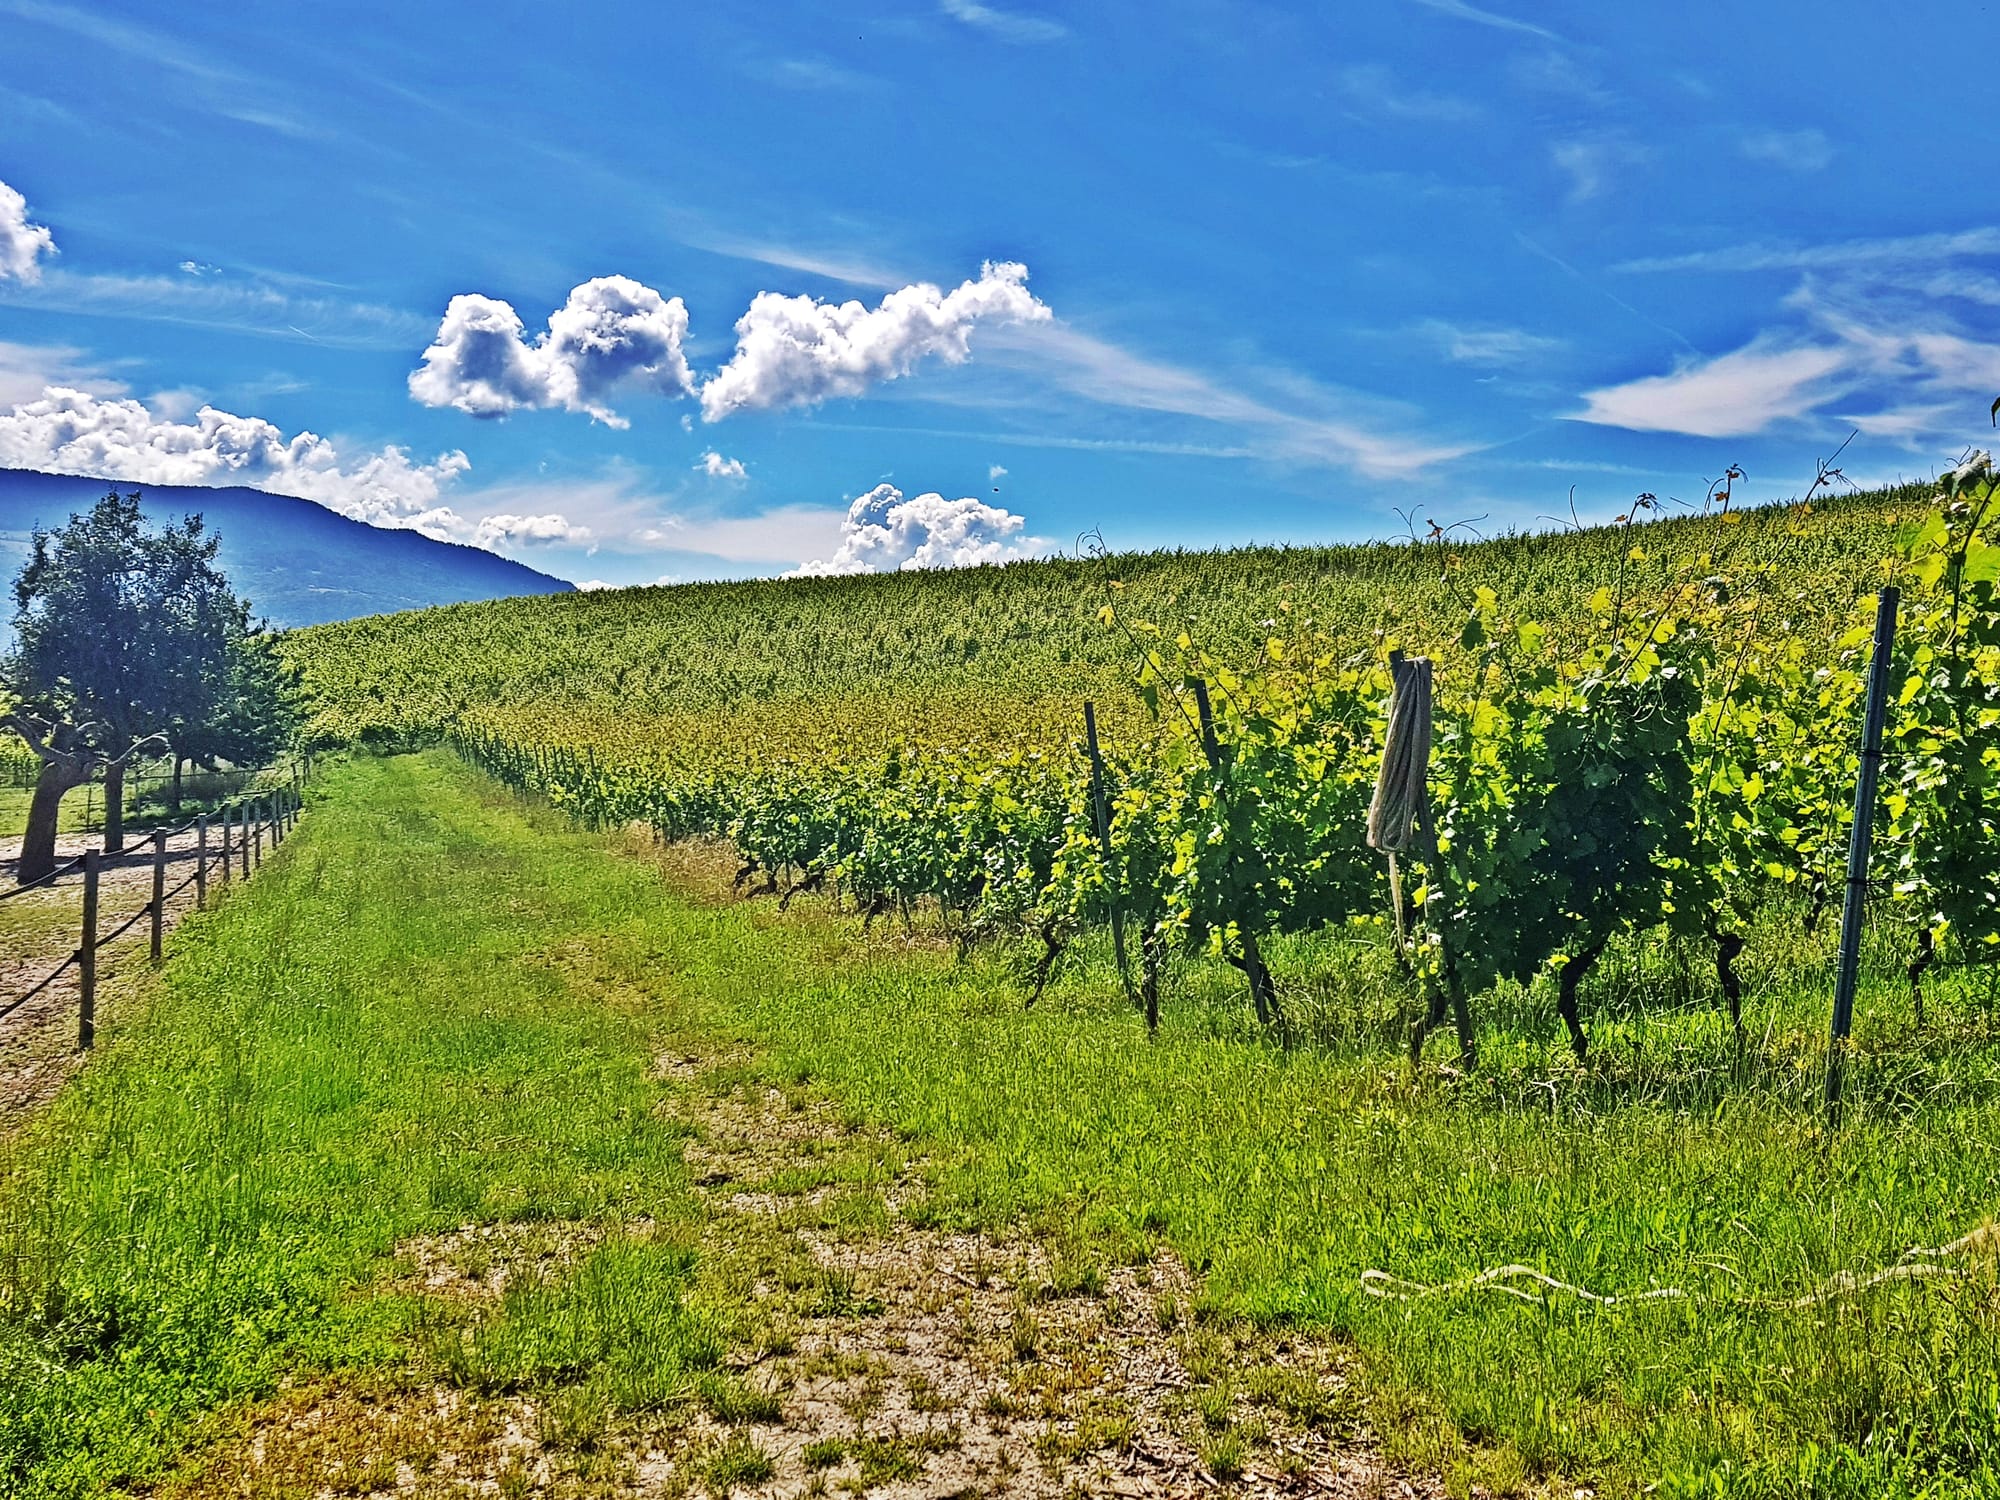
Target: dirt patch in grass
477,1262
870,1350
426,1443
906,1359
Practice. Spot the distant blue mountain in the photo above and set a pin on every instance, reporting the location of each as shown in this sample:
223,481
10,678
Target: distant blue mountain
297,563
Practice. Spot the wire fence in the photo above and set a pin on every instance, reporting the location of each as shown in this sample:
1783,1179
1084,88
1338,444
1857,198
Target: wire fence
228,844
144,789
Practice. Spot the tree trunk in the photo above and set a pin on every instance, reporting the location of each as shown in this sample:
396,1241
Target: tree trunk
175,794
114,807
38,848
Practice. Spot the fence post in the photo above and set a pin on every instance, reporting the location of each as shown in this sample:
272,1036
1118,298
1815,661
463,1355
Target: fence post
1854,908
243,828
256,815
200,860
86,957
159,889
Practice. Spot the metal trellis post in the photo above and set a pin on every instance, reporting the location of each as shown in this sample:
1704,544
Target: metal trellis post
1854,909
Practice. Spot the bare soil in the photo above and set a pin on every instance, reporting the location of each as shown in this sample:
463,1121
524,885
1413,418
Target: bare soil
882,1354
39,929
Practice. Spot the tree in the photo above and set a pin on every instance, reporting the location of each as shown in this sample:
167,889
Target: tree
246,714
123,637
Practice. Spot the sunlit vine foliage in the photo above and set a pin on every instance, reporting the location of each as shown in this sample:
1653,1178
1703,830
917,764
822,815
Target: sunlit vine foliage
1641,728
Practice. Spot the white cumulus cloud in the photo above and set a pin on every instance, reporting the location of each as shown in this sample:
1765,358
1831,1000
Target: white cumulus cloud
529,530
613,333
22,245
715,466
794,351
886,533
69,431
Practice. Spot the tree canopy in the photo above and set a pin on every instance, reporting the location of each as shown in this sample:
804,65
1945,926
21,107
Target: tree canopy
128,637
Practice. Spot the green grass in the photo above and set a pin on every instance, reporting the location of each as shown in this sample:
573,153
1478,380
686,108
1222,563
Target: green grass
1284,1178
437,1005
379,1037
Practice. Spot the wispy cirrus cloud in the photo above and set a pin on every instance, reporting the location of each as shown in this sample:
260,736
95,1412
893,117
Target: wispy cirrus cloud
1463,11
813,73
237,304
1900,372
1487,344
1891,335
1555,72
26,370
1291,419
1868,254
1008,25
1377,93
208,82
1794,150
1594,166
788,255
1730,395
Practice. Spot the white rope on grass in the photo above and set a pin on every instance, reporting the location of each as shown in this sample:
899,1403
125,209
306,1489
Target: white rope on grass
1920,1264
1499,1279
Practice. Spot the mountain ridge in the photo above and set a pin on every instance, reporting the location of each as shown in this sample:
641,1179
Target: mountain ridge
297,562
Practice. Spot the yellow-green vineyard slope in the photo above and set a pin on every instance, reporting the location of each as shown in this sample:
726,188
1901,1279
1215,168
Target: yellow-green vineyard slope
998,655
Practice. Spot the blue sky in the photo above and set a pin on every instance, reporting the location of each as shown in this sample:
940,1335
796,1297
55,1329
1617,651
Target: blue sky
1188,273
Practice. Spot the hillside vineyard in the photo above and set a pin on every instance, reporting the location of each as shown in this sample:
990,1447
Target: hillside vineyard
1647,728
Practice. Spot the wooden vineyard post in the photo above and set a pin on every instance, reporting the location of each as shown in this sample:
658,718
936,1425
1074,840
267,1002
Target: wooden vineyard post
243,838
159,902
200,861
1263,993
86,958
1100,817
1855,905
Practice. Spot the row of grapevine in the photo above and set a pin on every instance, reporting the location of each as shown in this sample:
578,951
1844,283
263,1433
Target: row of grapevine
1672,756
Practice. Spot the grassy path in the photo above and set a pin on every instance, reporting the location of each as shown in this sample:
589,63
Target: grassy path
399,1163
390,1191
